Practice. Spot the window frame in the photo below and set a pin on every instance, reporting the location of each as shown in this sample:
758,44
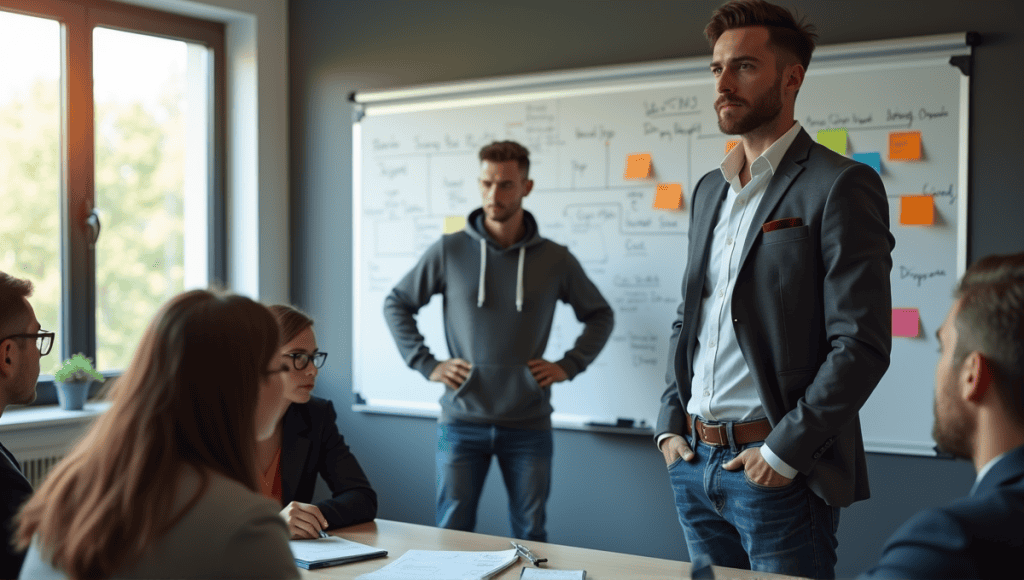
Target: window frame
78,19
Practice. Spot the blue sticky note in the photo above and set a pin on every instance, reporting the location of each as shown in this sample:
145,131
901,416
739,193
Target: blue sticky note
874,159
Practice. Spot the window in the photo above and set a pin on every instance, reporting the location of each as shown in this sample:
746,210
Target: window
111,165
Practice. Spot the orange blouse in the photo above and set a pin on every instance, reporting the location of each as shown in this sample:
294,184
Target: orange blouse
270,480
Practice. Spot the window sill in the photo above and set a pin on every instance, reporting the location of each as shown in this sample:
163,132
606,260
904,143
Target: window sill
45,430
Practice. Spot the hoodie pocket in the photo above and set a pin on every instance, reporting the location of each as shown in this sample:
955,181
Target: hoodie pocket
500,391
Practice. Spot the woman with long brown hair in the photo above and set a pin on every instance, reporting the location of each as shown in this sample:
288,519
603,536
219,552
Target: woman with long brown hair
164,482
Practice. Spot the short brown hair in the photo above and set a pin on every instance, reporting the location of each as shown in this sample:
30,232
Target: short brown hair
507,151
291,320
13,291
991,321
785,32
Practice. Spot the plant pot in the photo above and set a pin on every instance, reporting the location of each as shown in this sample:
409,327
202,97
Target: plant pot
72,395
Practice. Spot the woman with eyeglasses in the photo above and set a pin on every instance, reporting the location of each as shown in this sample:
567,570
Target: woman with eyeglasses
164,483
306,442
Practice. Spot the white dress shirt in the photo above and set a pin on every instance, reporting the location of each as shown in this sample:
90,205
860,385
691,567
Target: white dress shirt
722,388
985,469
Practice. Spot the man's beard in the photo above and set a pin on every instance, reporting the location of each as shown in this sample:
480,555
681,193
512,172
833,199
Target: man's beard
766,109
953,429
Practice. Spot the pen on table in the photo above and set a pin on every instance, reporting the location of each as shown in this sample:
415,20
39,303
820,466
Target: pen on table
526,553
323,534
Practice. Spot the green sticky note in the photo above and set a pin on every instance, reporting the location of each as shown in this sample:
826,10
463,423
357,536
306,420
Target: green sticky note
834,139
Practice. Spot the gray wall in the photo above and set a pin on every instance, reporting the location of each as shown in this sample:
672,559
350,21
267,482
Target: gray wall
609,492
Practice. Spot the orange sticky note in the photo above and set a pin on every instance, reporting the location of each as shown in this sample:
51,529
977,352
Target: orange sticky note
729,145
454,223
638,166
905,322
668,196
917,210
905,146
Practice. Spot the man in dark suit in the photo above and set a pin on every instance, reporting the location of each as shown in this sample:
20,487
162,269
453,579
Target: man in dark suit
785,324
22,343
979,415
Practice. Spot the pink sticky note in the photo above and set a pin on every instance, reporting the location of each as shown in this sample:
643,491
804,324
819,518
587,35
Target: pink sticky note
905,322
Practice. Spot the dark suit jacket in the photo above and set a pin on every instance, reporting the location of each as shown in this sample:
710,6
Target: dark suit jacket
311,445
811,310
980,536
14,491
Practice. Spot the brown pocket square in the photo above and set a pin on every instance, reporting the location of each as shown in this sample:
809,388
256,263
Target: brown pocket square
781,224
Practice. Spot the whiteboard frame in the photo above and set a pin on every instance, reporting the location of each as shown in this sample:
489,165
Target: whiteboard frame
596,80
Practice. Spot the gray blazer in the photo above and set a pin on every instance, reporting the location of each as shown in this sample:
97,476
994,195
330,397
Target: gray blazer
811,309
230,532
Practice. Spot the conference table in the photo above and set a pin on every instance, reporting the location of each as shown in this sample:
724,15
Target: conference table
398,537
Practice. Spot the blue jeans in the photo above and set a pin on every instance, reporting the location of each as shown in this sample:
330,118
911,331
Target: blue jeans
463,457
735,522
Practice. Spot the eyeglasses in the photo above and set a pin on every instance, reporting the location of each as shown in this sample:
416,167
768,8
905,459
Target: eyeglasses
300,360
44,340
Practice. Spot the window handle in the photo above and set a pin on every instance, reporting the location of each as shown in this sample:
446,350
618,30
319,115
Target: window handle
93,221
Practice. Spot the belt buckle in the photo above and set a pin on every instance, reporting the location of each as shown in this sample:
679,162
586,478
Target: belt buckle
723,435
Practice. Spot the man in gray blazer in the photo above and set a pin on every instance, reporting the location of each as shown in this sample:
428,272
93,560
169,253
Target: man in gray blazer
785,324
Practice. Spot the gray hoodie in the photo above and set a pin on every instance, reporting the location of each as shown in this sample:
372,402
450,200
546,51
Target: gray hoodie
498,307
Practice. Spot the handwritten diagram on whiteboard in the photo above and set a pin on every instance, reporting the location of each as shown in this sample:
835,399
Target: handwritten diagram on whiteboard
416,175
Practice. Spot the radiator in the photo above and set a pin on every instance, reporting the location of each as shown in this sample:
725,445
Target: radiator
39,437
35,470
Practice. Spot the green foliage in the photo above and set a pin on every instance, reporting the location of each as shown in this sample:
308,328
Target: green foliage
30,189
77,369
139,194
139,185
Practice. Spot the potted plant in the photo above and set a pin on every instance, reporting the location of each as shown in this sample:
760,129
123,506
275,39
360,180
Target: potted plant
73,380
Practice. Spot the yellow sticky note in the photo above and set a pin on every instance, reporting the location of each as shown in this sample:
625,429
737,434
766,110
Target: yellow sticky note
905,146
668,196
638,166
834,139
454,223
730,145
917,210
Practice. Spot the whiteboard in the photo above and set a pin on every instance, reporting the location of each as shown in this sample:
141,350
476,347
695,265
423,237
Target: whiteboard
415,163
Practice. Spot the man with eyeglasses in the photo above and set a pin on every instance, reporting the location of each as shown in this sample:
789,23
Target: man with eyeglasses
22,344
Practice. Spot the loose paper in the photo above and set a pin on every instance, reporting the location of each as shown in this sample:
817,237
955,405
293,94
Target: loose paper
444,565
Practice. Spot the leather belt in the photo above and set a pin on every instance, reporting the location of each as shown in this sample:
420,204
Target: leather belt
718,434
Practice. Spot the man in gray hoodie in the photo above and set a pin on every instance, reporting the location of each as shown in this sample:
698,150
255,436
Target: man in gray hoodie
500,281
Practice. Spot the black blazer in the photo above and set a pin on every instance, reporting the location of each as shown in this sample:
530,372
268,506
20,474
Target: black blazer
311,444
811,310
14,491
980,536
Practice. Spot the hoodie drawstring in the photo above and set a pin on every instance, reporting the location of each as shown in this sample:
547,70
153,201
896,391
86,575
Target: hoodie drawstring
519,279
481,294
483,273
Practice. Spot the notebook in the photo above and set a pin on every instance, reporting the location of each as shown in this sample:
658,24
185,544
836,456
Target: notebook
324,552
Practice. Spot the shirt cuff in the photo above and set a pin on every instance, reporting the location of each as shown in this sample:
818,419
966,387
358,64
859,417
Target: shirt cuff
663,437
776,462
